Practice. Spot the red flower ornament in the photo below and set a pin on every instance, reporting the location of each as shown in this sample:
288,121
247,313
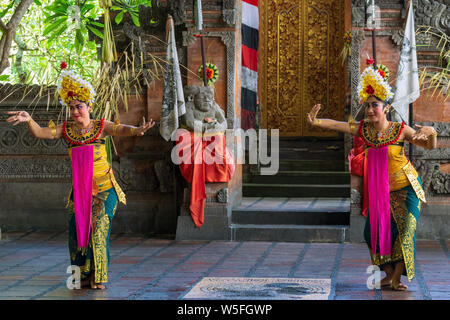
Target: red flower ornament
370,61
63,65
209,73
370,89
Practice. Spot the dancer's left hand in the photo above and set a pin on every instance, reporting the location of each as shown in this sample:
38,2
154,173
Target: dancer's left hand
423,133
139,131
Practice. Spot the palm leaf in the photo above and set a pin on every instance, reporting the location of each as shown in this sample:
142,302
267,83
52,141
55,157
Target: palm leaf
58,32
54,25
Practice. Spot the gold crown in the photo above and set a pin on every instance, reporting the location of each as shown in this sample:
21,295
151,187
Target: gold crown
372,83
72,87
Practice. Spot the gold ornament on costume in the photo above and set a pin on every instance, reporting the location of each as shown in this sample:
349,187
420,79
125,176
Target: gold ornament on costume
374,83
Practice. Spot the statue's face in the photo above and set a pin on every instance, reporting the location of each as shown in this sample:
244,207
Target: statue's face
204,100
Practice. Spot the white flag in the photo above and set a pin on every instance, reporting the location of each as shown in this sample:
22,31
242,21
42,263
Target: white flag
407,85
173,105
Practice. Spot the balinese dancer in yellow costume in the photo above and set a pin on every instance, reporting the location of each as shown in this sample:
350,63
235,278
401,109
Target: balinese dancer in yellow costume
95,192
392,189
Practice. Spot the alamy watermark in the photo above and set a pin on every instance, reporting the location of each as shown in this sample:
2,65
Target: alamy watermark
235,142
74,280
374,280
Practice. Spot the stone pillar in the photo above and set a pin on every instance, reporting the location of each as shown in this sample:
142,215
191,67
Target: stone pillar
222,36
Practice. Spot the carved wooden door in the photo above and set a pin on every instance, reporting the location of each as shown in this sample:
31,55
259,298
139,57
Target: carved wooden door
299,64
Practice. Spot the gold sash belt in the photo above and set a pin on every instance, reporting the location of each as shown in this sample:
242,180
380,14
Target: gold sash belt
409,171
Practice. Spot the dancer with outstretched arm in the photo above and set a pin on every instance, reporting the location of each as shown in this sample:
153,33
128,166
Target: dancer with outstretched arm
392,188
95,192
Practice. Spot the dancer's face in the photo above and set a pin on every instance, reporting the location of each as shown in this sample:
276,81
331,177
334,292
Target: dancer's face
79,111
375,110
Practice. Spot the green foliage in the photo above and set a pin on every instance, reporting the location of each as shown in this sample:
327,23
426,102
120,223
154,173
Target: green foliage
72,15
56,31
51,38
131,7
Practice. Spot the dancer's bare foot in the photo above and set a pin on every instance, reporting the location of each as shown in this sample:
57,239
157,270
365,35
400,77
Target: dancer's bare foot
398,286
100,286
96,285
384,282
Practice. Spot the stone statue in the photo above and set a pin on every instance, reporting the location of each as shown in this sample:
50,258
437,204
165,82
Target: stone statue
202,111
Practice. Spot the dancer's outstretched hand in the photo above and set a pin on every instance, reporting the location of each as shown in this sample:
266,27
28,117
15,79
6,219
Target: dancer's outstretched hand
18,117
423,132
311,116
144,127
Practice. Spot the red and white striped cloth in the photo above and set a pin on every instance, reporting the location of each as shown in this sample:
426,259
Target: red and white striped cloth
249,98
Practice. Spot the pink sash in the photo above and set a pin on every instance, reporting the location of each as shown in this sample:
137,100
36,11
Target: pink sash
378,191
82,175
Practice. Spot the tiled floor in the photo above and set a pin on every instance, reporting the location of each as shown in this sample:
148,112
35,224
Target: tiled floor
33,266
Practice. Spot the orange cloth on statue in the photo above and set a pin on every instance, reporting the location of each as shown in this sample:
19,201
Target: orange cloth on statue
211,161
357,166
356,157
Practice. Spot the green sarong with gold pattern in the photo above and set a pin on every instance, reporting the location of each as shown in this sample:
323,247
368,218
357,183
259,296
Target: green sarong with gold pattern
405,211
96,258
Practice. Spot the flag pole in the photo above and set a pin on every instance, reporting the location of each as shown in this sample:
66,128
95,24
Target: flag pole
374,47
205,79
199,22
410,116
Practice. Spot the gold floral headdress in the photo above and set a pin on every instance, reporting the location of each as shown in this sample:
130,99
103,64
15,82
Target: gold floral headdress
373,82
72,87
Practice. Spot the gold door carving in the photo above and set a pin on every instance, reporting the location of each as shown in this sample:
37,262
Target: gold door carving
299,64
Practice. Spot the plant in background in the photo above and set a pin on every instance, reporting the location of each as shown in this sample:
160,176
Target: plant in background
436,79
8,29
75,16
129,6
34,58
347,49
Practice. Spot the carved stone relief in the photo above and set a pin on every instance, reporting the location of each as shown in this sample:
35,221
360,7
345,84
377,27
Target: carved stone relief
432,13
35,168
230,12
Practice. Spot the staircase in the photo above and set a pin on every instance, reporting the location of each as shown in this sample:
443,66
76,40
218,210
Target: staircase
308,200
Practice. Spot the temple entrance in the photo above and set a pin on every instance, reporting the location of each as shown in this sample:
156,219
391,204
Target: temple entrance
299,64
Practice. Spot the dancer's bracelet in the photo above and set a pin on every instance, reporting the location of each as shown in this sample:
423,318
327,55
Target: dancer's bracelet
114,129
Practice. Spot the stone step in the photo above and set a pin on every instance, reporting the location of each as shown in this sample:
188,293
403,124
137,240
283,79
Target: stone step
295,190
292,211
310,165
302,177
279,217
310,154
288,233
